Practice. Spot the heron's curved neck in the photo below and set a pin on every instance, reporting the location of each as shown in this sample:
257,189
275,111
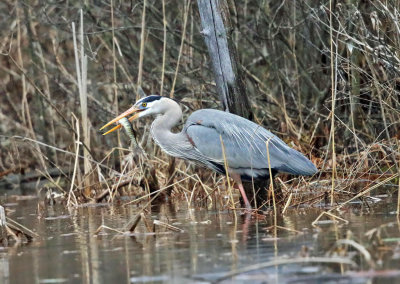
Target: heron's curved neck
169,118
164,122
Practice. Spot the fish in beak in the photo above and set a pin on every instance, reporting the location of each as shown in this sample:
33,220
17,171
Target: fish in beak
133,110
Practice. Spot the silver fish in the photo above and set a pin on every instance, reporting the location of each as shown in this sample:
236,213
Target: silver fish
129,131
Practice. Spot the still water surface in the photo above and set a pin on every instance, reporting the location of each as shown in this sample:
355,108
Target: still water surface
212,244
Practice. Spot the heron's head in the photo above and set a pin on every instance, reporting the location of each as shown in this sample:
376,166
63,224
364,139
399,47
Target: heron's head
149,105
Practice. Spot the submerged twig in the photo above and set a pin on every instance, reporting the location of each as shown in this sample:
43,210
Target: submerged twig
315,222
287,203
108,228
168,226
149,226
338,260
360,248
365,191
156,191
135,222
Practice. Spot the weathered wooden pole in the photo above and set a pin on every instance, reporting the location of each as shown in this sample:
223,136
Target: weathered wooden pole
3,227
217,29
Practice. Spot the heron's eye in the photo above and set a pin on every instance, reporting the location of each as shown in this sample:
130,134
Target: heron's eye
144,104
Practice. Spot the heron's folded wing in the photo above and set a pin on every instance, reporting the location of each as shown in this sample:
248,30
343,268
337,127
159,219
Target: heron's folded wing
245,143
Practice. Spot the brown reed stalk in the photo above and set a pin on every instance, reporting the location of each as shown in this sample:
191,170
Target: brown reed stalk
227,173
49,111
287,203
398,190
186,13
115,89
333,98
81,73
398,198
71,194
26,115
164,48
141,53
271,185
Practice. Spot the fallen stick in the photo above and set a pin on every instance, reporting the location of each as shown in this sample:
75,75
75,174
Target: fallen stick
168,226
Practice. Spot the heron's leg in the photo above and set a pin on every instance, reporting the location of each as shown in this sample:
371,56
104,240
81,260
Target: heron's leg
243,193
236,177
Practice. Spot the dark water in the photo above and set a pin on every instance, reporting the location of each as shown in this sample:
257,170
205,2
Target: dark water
213,244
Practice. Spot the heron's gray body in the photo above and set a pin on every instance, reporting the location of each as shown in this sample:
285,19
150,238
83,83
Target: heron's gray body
222,141
245,143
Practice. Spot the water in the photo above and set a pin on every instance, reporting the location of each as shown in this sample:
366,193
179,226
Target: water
213,244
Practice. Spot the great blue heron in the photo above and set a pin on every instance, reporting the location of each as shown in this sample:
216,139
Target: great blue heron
214,138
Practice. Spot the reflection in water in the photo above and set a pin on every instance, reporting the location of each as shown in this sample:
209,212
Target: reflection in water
4,268
213,244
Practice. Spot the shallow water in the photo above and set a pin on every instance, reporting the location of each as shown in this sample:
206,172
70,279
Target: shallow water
212,244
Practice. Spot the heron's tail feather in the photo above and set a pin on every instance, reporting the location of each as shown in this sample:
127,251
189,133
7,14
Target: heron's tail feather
298,164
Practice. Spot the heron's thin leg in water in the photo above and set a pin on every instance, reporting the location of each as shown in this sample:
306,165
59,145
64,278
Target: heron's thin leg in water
236,177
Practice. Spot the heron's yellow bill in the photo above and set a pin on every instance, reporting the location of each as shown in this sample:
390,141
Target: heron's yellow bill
133,110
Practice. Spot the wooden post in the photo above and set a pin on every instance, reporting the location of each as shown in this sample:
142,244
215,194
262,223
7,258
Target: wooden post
217,30
3,227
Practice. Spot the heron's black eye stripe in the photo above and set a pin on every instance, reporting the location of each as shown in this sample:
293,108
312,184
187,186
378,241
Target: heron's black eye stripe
151,98
144,104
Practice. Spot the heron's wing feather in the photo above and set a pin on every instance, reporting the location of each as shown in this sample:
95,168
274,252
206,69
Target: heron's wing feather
245,143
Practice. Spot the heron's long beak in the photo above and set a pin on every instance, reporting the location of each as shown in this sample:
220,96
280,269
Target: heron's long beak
133,110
